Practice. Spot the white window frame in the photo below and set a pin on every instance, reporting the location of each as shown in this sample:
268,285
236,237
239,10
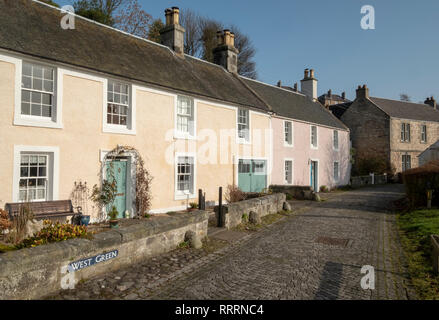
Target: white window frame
292,171
405,134
34,121
238,139
130,128
317,137
336,179
291,144
54,170
178,195
334,146
180,134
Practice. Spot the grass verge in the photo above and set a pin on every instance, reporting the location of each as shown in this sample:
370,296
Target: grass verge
415,228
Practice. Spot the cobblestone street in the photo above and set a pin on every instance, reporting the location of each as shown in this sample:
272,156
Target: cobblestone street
316,254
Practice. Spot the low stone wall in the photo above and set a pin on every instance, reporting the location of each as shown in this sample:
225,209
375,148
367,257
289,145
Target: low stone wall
34,272
233,212
368,180
297,192
435,252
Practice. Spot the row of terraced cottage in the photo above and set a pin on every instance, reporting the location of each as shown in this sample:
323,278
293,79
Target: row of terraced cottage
68,97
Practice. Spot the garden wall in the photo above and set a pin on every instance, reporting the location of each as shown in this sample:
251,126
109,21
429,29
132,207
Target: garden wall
35,272
297,192
232,213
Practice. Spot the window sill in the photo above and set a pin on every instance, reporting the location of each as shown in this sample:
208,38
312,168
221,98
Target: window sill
117,129
242,141
179,196
36,122
287,145
314,148
183,136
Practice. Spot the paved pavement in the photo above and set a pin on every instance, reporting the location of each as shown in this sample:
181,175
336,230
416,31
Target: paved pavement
315,254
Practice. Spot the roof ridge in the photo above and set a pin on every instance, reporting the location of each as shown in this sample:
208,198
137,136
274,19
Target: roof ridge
104,25
253,92
409,102
271,85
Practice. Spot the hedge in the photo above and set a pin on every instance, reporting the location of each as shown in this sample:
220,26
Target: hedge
418,180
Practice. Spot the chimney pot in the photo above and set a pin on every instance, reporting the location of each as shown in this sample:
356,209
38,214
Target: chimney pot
329,93
363,92
295,87
431,102
225,54
306,74
311,73
343,95
279,83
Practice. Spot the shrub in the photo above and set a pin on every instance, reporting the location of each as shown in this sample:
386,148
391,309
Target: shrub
54,232
417,181
19,224
113,213
324,189
193,205
234,194
5,223
372,163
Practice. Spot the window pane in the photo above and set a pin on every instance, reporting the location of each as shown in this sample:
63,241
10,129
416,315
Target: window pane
37,84
25,108
37,72
48,85
33,160
36,110
25,160
26,82
46,111
27,69
46,99
25,95
123,120
24,172
48,74
36,97
41,182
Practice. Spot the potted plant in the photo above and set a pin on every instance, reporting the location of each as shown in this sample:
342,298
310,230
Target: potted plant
113,214
104,197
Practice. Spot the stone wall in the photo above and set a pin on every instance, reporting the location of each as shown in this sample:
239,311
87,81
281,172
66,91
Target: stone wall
34,272
359,181
233,212
297,192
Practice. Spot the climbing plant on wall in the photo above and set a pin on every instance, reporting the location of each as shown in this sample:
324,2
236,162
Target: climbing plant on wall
143,177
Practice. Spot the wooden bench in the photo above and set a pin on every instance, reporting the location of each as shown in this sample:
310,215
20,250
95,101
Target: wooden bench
44,209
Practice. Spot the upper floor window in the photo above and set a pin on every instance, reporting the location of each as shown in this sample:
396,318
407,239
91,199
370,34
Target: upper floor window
243,125
185,116
288,130
335,140
314,137
118,103
405,132
37,91
423,133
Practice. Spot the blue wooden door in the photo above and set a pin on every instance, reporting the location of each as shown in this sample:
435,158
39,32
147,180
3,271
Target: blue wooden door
118,170
313,175
252,175
244,175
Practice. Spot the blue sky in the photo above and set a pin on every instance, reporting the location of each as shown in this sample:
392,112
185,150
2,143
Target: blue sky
400,56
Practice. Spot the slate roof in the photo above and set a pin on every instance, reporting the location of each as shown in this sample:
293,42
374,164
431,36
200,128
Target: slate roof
33,28
289,104
406,110
339,109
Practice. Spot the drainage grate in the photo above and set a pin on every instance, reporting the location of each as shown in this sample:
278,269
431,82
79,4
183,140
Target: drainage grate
333,241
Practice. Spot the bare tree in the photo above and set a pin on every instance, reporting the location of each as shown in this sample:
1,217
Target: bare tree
208,30
190,21
133,19
404,97
246,65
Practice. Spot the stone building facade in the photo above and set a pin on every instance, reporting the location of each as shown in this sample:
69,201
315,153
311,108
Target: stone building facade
395,131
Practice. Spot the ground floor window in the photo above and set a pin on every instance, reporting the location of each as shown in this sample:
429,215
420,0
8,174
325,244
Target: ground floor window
34,177
288,171
185,175
336,171
406,162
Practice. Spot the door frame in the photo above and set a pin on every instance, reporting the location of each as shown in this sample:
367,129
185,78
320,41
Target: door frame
236,166
317,173
130,185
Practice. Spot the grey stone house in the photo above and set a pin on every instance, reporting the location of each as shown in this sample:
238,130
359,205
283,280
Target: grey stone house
394,131
329,98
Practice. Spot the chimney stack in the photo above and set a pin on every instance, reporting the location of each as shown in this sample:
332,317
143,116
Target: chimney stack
309,84
225,54
363,92
329,93
172,35
343,95
431,102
